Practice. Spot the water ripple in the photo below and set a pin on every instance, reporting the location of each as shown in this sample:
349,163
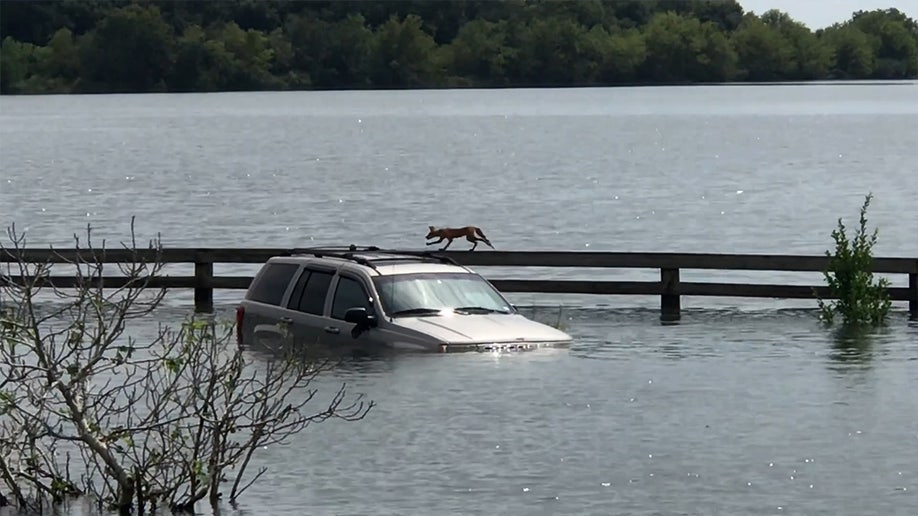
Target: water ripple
744,407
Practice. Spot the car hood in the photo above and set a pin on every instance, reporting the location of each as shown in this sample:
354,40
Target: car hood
482,328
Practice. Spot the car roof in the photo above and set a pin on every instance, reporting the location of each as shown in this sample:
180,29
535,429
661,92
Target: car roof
381,262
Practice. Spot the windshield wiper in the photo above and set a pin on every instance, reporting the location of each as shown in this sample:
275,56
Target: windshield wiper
479,309
417,311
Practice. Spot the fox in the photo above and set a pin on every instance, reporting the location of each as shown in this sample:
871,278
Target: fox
471,233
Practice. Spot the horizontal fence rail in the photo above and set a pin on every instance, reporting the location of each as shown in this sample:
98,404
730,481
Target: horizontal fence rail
669,288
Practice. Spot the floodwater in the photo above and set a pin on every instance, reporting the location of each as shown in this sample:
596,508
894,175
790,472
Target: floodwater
746,407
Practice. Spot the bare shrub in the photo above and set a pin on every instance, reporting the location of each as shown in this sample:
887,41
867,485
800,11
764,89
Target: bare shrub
88,410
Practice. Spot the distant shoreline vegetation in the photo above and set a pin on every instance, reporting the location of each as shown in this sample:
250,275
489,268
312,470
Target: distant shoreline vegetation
104,46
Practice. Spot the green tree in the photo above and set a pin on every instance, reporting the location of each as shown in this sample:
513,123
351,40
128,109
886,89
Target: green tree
246,58
623,55
223,58
684,49
195,60
282,64
552,53
347,59
331,54
587,13
858,299
592,48
17,60
811,58
402,54
764,54
893,40
64,58
309,38
633,14
854,55
29,22
480,52
129,51
24,68
726,14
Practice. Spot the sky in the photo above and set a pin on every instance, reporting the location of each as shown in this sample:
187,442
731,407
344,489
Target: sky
818,14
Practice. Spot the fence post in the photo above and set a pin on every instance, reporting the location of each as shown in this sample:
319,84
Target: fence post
203,283
670,304
913,294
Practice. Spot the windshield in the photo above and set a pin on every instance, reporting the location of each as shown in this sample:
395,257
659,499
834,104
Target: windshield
429,293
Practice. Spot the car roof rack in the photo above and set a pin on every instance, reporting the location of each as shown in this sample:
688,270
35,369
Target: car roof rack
350,252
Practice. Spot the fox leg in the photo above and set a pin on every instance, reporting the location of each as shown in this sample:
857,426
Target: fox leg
449,241
435,241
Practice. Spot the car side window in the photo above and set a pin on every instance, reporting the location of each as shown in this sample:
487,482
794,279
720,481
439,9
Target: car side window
297,292
349,294
313,291
272,283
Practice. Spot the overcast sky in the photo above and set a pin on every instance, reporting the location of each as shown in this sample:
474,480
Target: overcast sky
817,14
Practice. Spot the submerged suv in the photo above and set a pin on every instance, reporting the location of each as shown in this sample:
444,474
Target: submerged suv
370,298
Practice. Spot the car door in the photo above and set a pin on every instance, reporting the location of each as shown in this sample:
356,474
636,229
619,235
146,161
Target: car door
306,305
350,291
264,302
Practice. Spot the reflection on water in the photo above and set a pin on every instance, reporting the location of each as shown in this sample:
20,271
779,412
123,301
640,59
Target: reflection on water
853,343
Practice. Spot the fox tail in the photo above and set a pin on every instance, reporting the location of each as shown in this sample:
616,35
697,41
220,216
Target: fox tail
483,237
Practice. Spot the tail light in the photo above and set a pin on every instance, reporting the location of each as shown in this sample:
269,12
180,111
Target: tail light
240,314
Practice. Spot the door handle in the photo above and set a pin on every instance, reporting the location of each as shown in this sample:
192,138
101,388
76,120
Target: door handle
332,329
286,320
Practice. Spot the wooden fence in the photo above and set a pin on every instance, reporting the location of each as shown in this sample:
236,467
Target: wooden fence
669,287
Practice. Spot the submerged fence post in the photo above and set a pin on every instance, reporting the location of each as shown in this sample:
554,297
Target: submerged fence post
203,283
670,304
913,294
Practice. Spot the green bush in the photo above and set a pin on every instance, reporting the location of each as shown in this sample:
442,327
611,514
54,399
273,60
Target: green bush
857,297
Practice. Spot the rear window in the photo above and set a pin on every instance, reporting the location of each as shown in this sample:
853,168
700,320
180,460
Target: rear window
272,283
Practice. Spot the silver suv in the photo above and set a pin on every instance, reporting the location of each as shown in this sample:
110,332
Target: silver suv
370,298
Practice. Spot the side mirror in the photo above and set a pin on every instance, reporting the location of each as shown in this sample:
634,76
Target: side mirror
361,319
357,316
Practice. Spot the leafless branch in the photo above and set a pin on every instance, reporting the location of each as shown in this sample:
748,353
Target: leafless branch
161,422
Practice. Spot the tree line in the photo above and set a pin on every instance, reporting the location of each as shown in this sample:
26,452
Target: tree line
97,46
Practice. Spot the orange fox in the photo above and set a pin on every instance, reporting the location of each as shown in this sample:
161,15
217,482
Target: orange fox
471,233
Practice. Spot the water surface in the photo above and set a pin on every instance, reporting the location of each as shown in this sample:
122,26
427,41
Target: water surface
746,407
